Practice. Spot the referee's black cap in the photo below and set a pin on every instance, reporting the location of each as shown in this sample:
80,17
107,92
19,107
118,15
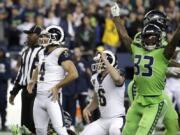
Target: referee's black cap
35,29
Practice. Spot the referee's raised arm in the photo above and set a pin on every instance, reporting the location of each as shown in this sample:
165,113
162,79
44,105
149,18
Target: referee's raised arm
29,59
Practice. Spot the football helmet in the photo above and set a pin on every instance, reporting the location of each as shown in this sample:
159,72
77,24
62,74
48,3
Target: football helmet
51,35
151,36
99,66
156,17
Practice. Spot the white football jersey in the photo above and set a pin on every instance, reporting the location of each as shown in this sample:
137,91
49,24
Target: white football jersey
173,84
110,96
50,72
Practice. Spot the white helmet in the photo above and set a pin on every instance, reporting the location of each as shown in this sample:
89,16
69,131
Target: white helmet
51,35
99,65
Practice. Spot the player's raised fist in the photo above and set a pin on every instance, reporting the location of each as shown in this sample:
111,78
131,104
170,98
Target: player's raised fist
115,10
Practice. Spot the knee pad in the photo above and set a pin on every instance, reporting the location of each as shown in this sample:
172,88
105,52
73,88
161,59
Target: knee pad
114,130
41,131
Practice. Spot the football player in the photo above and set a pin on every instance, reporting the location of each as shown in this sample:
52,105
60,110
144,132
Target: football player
109,89
55,70
151,59
171,118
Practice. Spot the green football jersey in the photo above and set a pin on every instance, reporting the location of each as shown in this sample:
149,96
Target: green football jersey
149,68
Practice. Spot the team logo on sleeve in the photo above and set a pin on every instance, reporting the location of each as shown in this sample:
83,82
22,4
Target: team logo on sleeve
66,54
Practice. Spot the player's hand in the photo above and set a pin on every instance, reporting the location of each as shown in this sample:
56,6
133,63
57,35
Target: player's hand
11,99
115,10
174,70
104,57
54,93
86,115
30,87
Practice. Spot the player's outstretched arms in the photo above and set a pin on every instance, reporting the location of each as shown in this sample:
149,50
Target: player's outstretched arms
117,78
33,81
90,108
123,34
170,48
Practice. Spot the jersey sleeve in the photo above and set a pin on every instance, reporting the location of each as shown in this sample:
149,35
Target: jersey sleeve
65,55
121,73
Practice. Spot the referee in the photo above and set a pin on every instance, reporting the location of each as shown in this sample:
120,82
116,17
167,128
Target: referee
29,59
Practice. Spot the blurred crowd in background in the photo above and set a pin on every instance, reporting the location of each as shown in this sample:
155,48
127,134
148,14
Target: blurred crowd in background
88,27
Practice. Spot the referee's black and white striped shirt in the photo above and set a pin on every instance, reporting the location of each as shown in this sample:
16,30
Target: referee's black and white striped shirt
29,60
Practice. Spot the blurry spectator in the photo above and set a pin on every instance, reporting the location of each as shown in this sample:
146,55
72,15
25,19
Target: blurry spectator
61,8
110,37
140,6
161,8
29,22
155,3
51,19
39,20
68,26
69,100
129,24
3,16
8,4
78,15
15,16
172,9
126,7
85,35
77,90
92,14
4,76
97,8
82,82
136,25
13,36
29,10
172,12
40,6
52,8
99,30
72,5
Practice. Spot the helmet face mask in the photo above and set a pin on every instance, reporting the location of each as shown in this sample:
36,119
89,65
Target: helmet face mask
51,35
150,41
57,34
99,65
44,38
151,36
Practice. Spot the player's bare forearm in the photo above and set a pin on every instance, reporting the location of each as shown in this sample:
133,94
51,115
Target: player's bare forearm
70,68
33,81
115,75
170,49
93,104
35,75
123,34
